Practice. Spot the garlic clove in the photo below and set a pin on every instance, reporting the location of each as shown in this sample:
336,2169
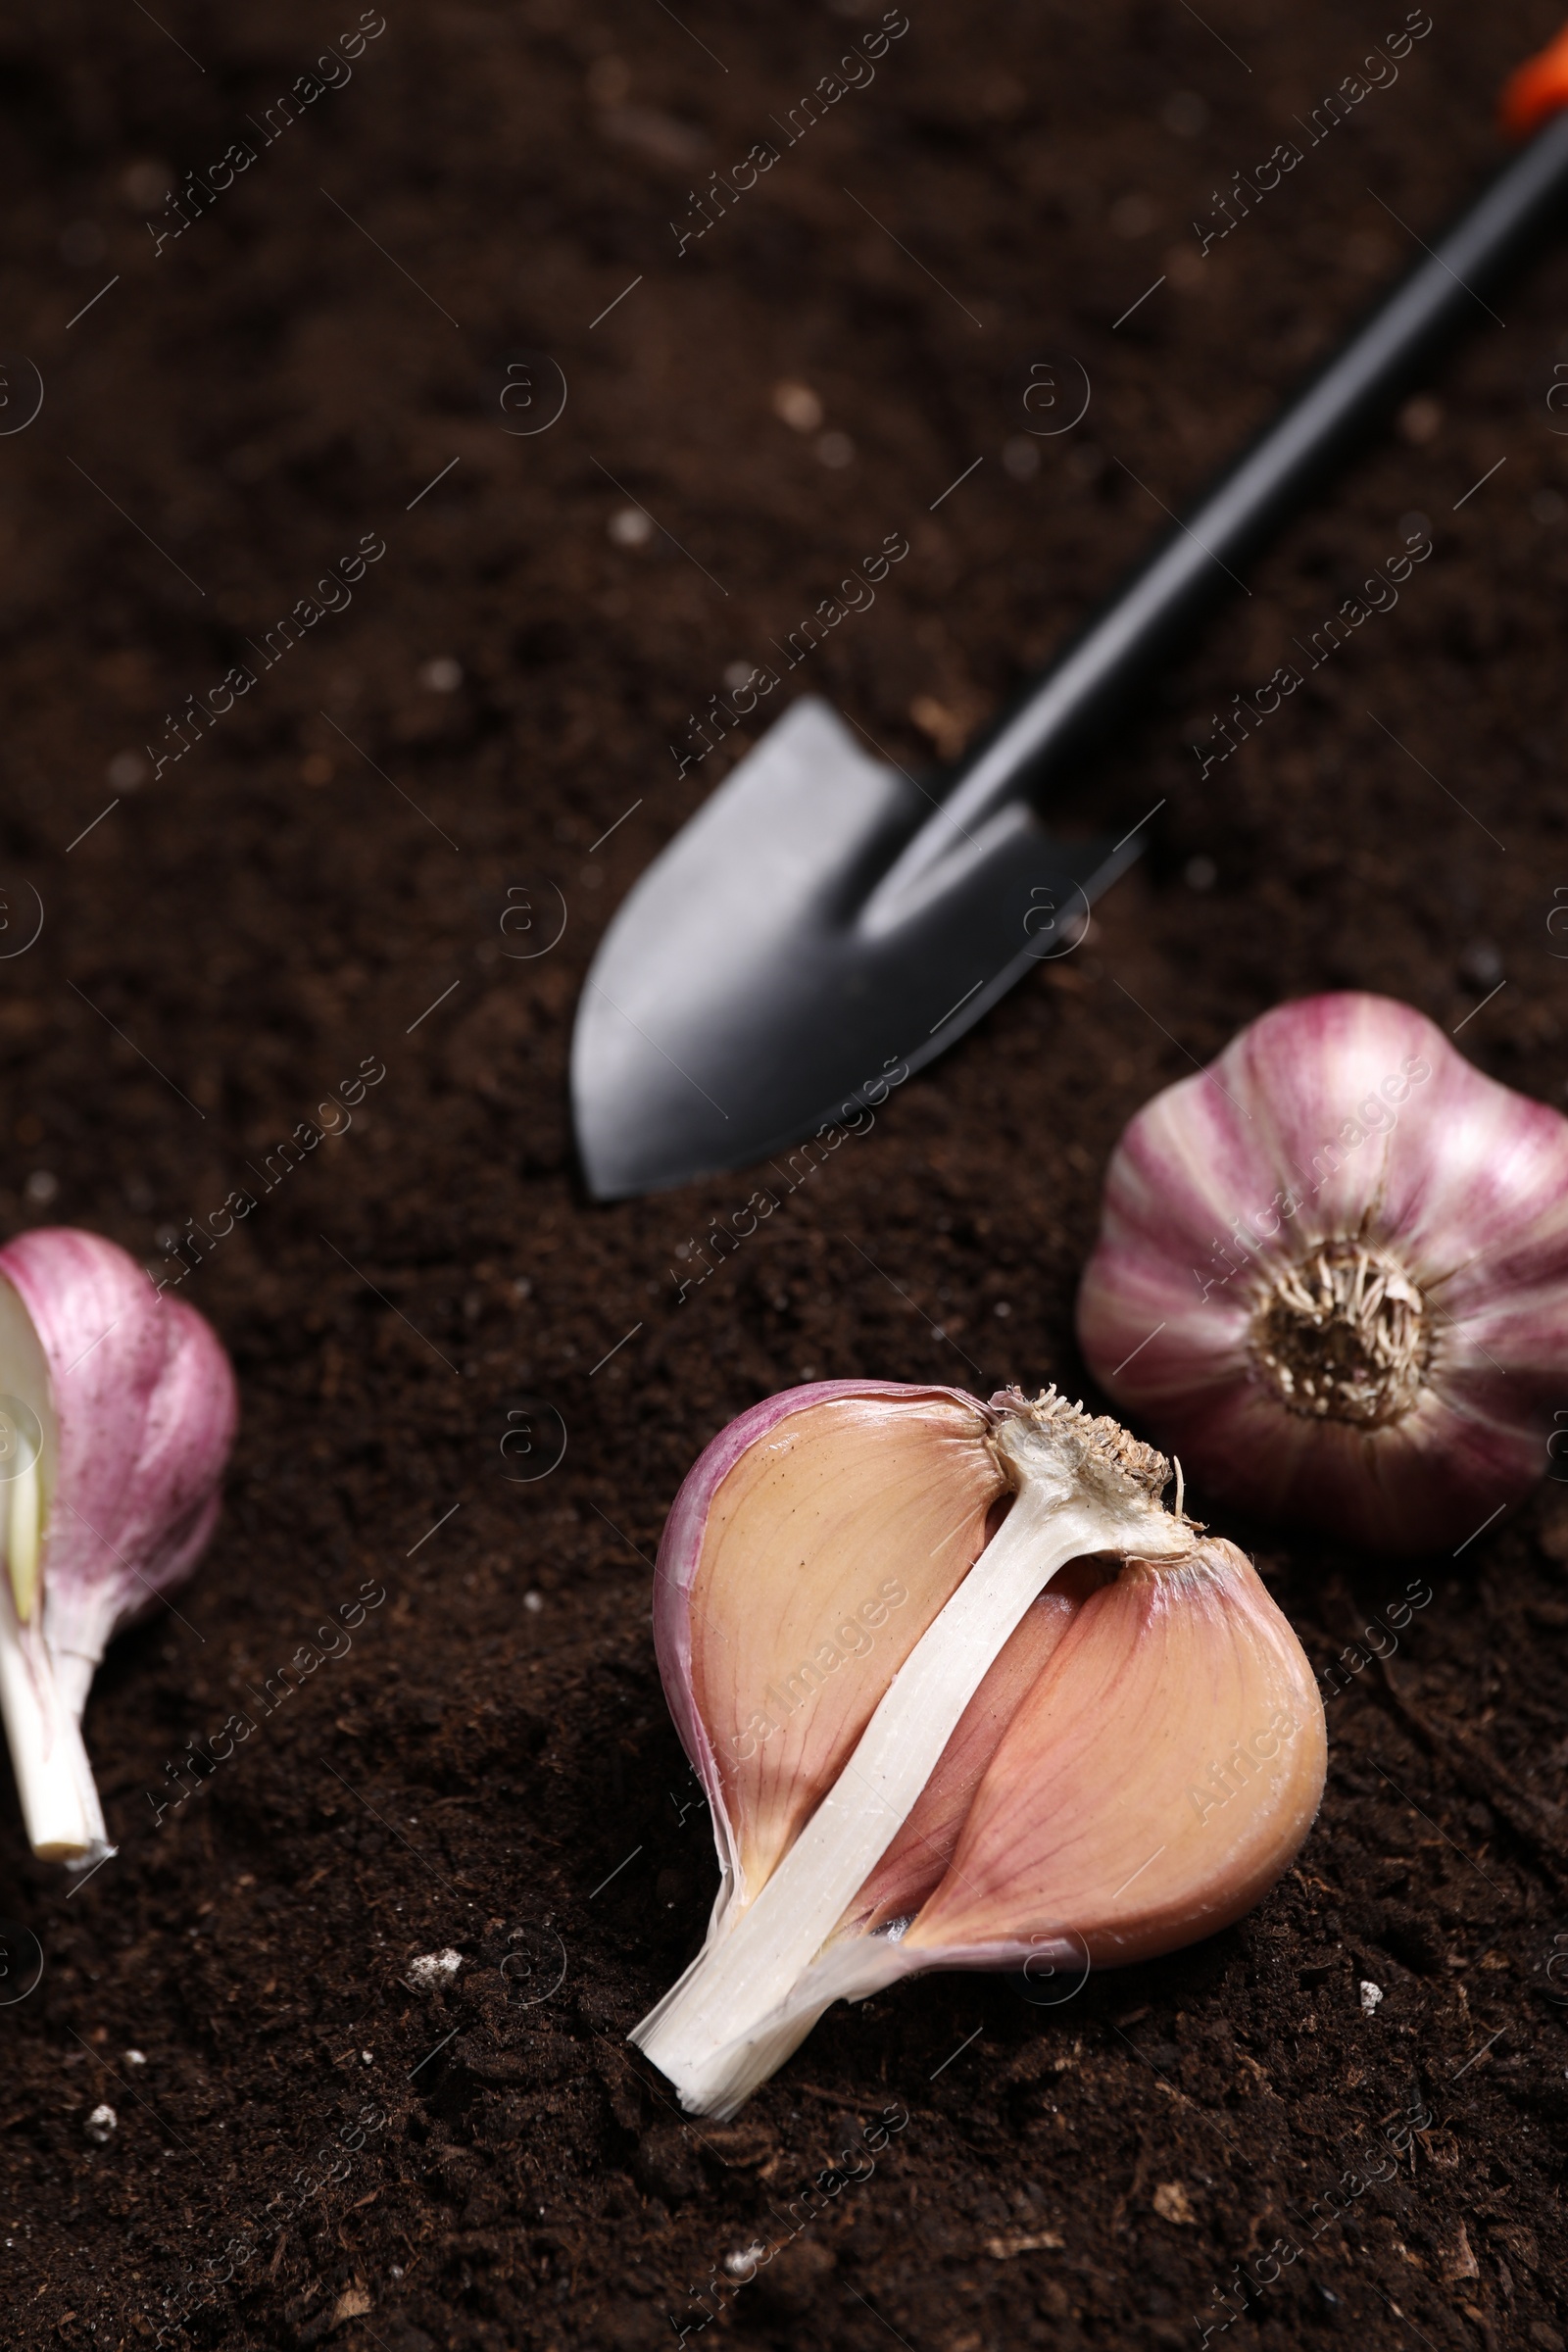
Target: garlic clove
100,1339
1333,1275
117,1407
806,1560
941,1750
1155,1780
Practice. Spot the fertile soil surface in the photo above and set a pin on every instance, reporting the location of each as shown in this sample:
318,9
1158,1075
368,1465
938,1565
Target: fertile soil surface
421,1310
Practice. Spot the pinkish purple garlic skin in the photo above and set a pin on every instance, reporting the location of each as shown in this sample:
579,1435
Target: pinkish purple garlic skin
680,1551
146,1408
1469,1182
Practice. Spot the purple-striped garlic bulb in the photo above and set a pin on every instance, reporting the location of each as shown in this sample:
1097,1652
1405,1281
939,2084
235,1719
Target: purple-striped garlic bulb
963,1694
1331,1277
117,1410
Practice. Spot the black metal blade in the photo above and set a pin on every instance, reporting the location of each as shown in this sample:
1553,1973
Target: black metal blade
752,988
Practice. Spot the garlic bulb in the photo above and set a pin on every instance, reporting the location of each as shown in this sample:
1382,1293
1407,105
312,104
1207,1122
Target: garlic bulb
117,1410
963,1694
1333,1276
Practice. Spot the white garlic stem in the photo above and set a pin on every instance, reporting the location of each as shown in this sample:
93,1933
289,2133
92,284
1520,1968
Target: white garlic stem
41,1706
711,2031
59,1806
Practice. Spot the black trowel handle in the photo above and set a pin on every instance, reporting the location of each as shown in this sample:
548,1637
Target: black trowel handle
1111,663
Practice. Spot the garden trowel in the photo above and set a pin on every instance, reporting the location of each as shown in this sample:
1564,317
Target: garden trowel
827,922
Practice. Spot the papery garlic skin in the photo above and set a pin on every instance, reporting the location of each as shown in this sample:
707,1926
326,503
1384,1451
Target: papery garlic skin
958,1733
135,1405
944,1424
1239,1764
1333,1276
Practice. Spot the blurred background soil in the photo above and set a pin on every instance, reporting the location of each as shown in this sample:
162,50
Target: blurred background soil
426,1310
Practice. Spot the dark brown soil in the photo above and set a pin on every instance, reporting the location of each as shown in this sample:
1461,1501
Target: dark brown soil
490,1767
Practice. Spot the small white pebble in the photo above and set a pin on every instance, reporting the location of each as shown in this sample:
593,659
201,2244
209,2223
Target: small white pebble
629,526
741,2264
397,2270
135,2057
443,675
739,674
367,2057
102,2124
1371,1994
798,405
434,1968
533,1602
1002,1308
41,1185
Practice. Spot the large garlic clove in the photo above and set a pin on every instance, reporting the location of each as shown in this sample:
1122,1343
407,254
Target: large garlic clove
1333,1275
1154,1782
808,1558
116,1411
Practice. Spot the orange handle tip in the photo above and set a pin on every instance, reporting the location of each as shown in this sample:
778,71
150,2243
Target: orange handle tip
1539,89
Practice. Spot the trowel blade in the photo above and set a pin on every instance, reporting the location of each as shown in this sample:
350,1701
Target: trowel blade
752,988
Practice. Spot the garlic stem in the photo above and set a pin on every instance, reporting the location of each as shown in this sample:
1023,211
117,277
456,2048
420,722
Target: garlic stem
60,1805
701,2035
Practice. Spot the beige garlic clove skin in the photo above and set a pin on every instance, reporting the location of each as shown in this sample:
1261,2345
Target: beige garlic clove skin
1159,1774
827,1548
1091,1678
